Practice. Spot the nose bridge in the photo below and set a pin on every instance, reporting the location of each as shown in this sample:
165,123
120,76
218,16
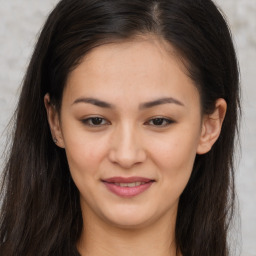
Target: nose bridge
126,149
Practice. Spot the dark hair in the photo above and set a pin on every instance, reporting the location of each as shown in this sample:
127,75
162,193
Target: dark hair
41,212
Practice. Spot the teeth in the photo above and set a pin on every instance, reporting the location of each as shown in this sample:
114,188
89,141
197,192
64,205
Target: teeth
130,185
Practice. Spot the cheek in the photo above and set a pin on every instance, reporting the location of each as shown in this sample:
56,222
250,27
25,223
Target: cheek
84,159
84,152
175,162
174,154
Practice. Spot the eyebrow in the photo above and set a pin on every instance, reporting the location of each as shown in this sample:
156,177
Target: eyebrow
142,106
160,101
94,101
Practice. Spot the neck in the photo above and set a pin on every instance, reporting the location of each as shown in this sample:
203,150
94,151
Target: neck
101,238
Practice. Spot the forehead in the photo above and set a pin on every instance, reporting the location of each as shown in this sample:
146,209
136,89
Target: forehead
138,67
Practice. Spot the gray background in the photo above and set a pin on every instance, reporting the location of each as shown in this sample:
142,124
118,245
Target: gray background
20,23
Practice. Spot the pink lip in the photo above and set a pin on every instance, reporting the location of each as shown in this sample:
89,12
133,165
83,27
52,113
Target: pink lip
127,179
127,191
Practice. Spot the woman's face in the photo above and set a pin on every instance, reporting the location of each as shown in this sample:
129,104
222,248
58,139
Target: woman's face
131,126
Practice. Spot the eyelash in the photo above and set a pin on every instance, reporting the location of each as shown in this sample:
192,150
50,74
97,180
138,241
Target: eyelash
88,121
163,119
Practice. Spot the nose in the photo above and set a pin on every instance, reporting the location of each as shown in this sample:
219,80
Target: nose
126,148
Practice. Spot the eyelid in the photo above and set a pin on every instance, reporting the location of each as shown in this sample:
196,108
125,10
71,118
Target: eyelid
168,120
85,121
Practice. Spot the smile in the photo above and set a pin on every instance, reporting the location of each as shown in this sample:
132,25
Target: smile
128,187
134,184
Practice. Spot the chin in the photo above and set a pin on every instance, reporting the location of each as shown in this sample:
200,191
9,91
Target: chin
130,224
130,219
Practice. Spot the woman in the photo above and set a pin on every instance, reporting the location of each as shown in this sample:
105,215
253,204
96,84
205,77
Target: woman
124,134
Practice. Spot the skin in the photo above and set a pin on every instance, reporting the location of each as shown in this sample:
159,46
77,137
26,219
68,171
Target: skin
130,142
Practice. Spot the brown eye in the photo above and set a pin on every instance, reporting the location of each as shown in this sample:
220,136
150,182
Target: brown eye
160,122
95,121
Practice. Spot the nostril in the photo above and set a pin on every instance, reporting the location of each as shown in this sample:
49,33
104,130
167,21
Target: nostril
126,159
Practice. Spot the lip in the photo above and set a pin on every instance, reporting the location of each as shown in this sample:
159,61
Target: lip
127,192
126,179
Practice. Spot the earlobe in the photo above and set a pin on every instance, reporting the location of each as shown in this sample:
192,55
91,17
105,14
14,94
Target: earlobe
54,122
211,127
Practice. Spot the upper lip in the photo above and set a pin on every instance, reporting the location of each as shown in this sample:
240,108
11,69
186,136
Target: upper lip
126,179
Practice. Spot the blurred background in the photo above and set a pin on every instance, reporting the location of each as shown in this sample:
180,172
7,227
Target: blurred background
20,24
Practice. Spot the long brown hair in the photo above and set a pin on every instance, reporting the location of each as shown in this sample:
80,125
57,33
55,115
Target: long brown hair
41,214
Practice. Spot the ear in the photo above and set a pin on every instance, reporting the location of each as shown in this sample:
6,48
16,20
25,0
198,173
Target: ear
54,122
211,127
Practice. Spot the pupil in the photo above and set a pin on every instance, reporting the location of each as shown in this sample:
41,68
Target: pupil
158,121
96,120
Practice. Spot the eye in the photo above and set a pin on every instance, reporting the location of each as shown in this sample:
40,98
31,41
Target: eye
160,121
95,121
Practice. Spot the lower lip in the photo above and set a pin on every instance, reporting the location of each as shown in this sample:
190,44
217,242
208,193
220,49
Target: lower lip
128,191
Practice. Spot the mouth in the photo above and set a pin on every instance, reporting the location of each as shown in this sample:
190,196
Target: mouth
128,187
